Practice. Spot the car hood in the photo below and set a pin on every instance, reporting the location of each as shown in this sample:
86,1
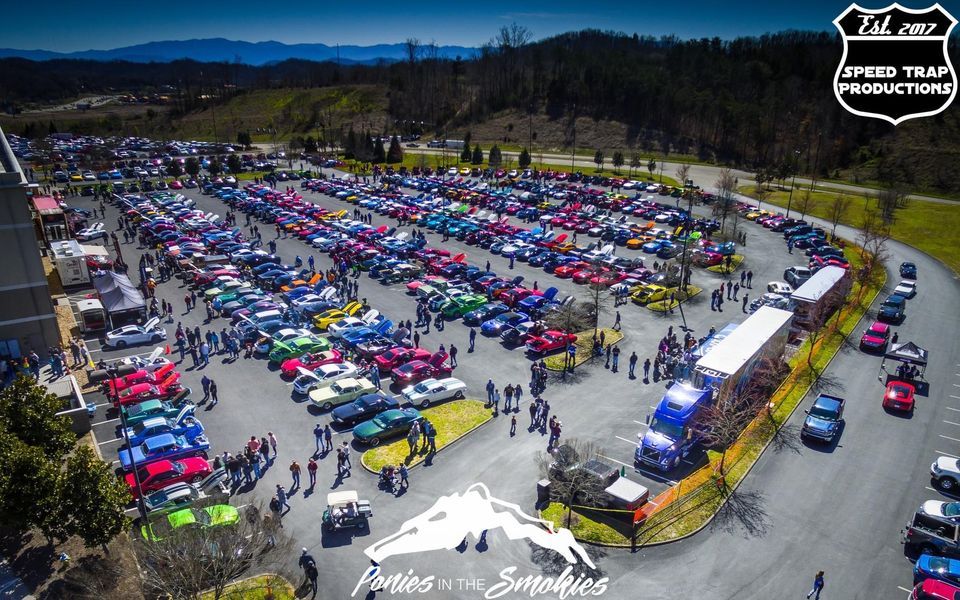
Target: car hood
819,424
945,463
125,456
653,439
366,429
872,339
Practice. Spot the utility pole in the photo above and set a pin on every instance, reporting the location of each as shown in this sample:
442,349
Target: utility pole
816,163
573,156
796,165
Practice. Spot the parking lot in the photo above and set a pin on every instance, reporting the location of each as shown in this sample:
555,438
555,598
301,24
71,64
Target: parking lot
594,404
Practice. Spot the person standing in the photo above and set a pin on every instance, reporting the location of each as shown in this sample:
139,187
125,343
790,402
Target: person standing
346,456
312,472
517,395
295,474
473,339
633,365
404,475
513,425
282,496
413,436
214,399
616,358
490,389
508,398
318,438
616,322
496,401
817,585
275,508
205,384
273,443
750,279
453,355
746,298
327,438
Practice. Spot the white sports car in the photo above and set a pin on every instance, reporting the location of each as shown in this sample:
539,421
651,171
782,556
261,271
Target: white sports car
322,376
150,332
430,391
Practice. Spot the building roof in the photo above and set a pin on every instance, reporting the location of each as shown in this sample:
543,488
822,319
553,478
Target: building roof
10,173
47,205
743,343
821,283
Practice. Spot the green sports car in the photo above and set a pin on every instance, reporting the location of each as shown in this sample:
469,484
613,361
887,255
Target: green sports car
211,516
390,423
462,305
281,351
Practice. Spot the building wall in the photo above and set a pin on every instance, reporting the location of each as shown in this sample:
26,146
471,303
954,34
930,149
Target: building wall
27,319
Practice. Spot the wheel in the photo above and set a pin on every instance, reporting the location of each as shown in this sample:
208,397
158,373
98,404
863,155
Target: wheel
155,339
121,344
946,483
424,403
327,405
196,479
362,524
458,395
375,442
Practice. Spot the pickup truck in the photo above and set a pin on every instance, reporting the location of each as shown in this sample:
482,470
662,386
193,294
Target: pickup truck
823,419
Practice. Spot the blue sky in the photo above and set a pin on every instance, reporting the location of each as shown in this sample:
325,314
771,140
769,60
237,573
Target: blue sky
71,25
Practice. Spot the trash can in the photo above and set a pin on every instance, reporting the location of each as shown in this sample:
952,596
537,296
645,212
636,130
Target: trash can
543,491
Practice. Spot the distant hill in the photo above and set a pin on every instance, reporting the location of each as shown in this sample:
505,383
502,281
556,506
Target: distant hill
250,53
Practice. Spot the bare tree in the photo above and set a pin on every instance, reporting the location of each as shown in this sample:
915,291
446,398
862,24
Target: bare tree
726,185
889,199
806,203
721,423
570,483
837,210
512,36
819,323
571,317
635,162
683,172
184,562
412,46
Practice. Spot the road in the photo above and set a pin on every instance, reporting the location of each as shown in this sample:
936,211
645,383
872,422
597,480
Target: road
703,175
838,509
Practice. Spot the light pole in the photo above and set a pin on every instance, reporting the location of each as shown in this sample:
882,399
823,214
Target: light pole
573,155
796,165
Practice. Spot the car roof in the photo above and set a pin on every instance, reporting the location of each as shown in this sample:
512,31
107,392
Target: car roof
158,441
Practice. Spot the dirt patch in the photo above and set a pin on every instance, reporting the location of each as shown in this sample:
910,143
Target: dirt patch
550,135
89,573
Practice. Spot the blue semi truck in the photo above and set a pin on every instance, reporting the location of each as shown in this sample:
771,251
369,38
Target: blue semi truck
670,436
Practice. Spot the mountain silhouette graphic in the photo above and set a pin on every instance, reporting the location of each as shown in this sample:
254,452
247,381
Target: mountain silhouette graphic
451,518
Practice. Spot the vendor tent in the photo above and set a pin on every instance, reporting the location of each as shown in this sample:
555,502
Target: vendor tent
909,353
122,300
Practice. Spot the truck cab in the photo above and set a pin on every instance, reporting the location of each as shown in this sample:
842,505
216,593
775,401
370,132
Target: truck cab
670,436
823,419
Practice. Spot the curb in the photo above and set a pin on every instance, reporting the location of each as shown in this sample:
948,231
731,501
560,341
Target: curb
623,336
439,450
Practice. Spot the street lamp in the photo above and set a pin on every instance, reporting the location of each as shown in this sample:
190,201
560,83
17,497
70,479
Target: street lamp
796,165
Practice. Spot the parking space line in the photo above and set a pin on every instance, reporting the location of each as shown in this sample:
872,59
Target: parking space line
108,422
946,437
946,454
951,423
956,385
631,442
955,397
900,587
952,408
930,488
116,462
108,441
615,460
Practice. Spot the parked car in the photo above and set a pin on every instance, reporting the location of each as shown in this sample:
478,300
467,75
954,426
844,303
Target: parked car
899,396
430,391
387,424
945,471
341,392
159,474
893,309
163,447
930,566
150,332
136,413
906,288
908,270
363,408
217,515
934,589
875,337
823,419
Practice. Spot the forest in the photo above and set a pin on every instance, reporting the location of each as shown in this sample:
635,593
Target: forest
757,102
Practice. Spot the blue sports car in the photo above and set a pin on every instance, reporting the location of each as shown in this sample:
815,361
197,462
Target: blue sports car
163,446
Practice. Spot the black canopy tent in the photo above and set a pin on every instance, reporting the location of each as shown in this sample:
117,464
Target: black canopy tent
120,298
912,359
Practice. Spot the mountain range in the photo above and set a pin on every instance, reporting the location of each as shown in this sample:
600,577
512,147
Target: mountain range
250,53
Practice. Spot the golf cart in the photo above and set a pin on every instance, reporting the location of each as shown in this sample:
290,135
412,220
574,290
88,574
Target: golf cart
344,510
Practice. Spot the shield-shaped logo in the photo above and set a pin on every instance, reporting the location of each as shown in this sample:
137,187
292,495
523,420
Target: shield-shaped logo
895,64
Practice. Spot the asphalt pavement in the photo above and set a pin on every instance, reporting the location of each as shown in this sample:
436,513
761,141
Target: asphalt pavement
838,508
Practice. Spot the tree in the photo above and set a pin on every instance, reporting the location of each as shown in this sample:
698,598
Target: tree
683,173
215,167
379,154
652,166
30,488
29,413
837,210
495,159
234,164
572,317
720,424
310,145
395,153
465,154
192,166
174,169
617,161
524,159
477,157
570,483
726,185
93,499
806,203
187,561
244,139
635,162
598,159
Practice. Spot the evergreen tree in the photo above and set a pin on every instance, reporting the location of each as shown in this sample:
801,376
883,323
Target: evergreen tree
244,139
395,153
617,160
379,154
477,158
598,159
192,166
495,159
93,499
524,159
234,164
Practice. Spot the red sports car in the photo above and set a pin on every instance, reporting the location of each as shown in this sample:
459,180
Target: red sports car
876,337
585,275
566,271
141,392
399,355
418,370
140,376
158,475
899,396
288,368
550,341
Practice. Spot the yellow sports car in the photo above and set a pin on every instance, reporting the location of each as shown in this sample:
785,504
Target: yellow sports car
331,316
648,293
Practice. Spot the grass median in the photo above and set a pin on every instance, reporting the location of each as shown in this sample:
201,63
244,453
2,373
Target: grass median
453,420
678,297
735,261
584,346
261,587
586,529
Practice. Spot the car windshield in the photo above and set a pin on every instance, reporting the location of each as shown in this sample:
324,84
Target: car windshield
951,509
420,388
822,413
381,421
938,564
671,430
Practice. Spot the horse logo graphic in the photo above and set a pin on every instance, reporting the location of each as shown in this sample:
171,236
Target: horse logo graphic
451,518
895,64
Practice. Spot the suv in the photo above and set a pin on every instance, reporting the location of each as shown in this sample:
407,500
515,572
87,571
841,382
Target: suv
893,309
946,472
797,276
931,534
